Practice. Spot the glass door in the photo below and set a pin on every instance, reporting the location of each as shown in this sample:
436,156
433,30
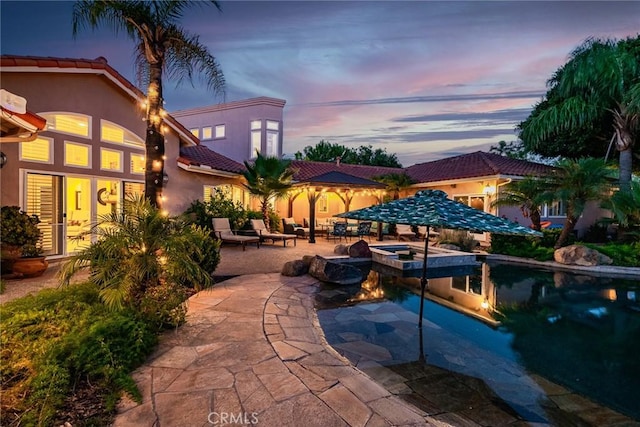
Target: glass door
44,198
79,213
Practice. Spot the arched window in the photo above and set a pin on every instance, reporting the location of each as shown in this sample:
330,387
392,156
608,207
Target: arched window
111,132
69,123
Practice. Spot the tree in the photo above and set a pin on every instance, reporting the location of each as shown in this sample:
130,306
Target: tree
594,96
268,178
513,150
530,194
625,206
395,182
139,251
576,182
162,45
325,151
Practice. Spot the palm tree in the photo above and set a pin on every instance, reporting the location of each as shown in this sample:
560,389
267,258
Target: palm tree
268,178
529,193
161,45
576,182
599,84
625,206
140,249
395,182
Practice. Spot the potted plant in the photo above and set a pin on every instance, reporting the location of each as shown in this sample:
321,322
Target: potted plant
21,249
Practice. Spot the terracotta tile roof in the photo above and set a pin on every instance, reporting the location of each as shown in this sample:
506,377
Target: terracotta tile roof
473,165
304,170
203,156
341,178
100,64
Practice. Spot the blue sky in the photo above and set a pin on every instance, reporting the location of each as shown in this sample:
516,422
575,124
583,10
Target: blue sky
423,79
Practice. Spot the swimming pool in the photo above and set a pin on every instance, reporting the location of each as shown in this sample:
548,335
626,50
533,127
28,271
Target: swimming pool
509,326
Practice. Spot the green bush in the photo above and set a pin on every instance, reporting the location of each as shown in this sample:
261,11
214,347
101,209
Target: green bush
623,254
219,205
140,249
61,340
537,248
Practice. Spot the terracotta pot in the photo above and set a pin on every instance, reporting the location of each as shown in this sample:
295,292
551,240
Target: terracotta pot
8,254
30,267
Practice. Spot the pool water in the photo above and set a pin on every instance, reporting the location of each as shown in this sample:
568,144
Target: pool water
503,324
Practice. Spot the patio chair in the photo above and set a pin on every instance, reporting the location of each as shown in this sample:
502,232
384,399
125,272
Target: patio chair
404,232
339,231
364,229
222,231
263,232
289,226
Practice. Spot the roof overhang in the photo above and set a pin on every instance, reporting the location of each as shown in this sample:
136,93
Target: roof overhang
207,170
18,124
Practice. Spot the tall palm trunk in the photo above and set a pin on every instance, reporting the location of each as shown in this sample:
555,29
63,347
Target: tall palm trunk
265,213
154,142
623,125
567,229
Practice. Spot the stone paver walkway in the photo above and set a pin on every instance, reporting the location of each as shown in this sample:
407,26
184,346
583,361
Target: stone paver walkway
252,352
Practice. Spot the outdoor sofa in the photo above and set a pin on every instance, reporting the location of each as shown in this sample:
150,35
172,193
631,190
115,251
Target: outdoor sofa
222,231
263,233
289,226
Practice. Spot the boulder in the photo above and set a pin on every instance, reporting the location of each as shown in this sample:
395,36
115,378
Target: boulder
307,260
333,272
580,255
341,249
449,246
294,268
360,249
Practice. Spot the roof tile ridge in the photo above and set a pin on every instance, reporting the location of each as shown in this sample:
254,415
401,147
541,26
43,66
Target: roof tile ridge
485,158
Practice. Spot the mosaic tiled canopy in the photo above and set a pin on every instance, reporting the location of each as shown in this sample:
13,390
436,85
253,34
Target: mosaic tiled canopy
433,208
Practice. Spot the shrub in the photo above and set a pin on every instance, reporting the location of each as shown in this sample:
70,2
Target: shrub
20,229
61,341
537,248
219,205
623,254
460,238
139,250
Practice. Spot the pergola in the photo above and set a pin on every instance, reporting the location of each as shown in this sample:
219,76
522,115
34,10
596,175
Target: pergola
344,185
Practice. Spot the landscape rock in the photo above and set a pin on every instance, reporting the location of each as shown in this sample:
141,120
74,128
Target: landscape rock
307,259
448,246
580,255
341,249
333,272
294,268
360,249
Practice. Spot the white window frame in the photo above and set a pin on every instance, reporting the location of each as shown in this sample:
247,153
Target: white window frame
138,143
120,154
69,113
220,131
131,170
205,130
195,132
48,162
90,163
547,209
323,203
256,132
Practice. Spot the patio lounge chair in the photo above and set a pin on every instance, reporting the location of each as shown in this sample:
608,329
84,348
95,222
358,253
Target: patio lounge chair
222,231
261,230
404,232
289,226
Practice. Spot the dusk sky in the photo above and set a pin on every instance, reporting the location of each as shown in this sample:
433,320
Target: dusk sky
424,80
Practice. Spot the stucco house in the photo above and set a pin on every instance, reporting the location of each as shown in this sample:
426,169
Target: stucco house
90,155
91,152
238,129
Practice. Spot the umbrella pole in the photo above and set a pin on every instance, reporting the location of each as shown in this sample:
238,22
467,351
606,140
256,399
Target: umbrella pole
423,279
423,286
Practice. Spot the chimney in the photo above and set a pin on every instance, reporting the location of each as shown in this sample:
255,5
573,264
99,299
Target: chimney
338,161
